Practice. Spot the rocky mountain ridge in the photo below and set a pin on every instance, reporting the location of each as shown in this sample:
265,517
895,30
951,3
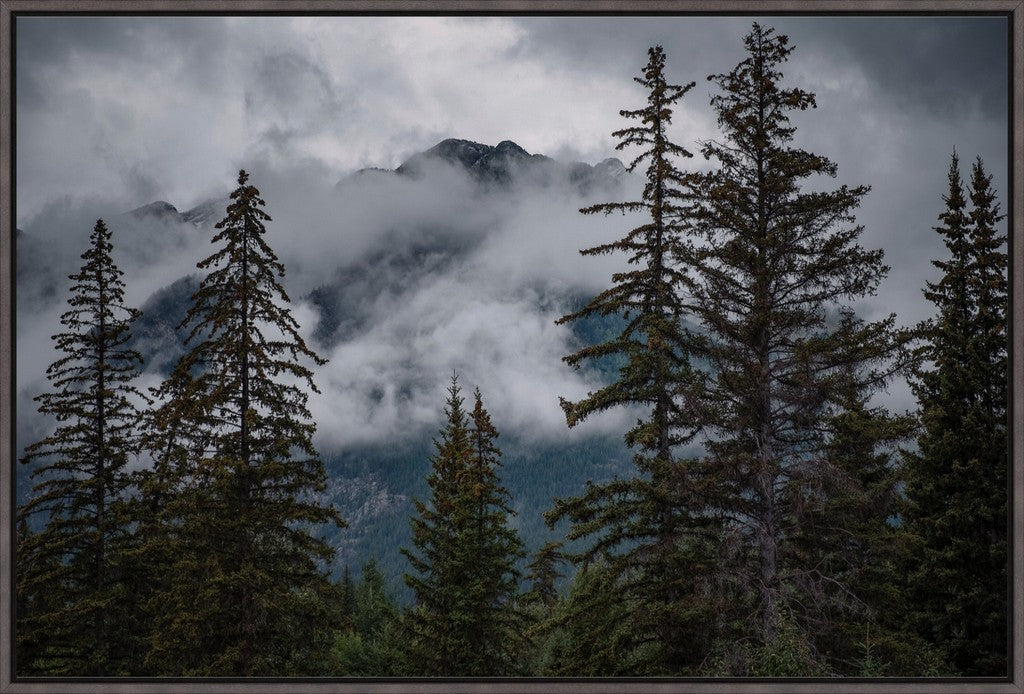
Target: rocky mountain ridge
502,164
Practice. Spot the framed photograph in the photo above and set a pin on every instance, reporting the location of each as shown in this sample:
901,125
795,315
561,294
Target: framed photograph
505,346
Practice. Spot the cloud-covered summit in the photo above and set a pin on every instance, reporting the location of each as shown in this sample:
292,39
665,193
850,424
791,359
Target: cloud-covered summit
460,260
507,163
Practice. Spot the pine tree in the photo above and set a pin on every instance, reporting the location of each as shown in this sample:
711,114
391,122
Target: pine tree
492,547
435,645
464,622
370,646
956,484
73,571
845,529
543,573
589,633
771,279
646,526
235,482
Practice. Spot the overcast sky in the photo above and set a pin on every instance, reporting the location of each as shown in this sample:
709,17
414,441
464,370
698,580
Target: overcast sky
116,112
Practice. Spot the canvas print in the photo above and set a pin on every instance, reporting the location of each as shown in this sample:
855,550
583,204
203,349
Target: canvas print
515,346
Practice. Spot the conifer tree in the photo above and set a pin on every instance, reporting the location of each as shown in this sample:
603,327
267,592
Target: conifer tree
369,646
589,633
543,573
845,529
374,604
773,276
492,547
956,480
235,481
464,621
72,572
646,526
434,642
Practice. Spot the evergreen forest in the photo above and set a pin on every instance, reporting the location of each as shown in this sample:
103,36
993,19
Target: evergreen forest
769,517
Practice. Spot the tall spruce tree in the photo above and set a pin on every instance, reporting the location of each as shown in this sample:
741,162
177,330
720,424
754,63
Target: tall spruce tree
78,617
772,278
435,643
645,527
464,621
235,482
956,480
493,547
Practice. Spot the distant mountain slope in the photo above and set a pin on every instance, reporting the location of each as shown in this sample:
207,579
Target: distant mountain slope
375,487
200,215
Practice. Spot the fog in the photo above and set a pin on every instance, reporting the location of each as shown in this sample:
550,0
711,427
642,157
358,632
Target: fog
492,270
434,274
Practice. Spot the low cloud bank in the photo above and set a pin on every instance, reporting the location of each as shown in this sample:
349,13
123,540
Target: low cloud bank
418,277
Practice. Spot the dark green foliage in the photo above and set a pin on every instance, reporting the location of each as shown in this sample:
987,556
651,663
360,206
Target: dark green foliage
227,509
74,591
436,644
772,277
464,621
386,476
543,574
647,526
956,481
589,631
369,644
846,534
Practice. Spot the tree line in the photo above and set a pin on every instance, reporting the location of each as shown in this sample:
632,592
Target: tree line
812,533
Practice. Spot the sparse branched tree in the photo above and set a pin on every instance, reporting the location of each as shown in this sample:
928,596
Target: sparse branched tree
646,527
956,480
777,268
235,482
78,619
348,599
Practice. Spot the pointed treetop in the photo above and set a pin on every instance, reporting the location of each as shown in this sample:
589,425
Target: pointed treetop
955,181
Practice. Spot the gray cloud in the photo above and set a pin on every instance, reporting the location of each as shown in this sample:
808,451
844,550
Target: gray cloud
485,276
938,66
117,112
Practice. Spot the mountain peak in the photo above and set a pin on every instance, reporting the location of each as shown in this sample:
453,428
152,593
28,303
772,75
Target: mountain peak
160,209
502,164
611,166
509,147
483,161
163,211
